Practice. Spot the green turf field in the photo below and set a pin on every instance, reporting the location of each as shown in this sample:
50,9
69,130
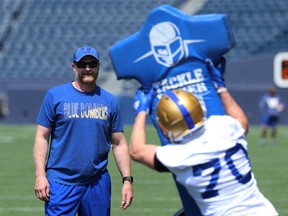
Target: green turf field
155,193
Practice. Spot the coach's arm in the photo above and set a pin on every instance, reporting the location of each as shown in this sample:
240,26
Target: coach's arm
40,150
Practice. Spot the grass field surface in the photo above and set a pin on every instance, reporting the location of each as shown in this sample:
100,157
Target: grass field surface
155,193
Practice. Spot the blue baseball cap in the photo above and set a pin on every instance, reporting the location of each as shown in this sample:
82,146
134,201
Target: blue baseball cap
84,51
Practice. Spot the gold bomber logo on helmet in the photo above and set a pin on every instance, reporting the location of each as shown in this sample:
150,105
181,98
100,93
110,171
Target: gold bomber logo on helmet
178,113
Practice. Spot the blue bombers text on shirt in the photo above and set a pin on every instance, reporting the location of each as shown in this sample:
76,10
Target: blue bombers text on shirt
85,110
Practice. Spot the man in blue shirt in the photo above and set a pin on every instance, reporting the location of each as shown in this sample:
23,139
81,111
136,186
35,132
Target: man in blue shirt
271,106
82,122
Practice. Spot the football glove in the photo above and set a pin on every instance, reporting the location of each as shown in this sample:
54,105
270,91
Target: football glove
142,101
217,72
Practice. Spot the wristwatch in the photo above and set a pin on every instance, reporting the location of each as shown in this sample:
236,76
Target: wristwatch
127,178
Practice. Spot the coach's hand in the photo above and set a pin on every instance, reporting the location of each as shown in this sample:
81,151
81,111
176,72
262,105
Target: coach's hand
127,195
41,188
217,72
143,100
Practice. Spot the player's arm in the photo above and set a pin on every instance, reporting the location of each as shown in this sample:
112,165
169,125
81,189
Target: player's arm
122,159
139,150
231,107
40,150
282,105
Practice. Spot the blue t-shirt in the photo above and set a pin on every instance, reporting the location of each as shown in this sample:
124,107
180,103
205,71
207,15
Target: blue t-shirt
81,124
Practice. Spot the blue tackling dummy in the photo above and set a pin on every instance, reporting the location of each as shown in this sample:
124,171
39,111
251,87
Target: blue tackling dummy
174,50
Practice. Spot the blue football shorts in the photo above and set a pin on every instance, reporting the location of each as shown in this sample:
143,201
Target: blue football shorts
270,121
87,200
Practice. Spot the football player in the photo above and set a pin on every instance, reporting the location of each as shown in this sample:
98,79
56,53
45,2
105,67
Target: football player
208,156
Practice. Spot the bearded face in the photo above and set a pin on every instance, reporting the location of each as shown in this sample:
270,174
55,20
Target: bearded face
86,70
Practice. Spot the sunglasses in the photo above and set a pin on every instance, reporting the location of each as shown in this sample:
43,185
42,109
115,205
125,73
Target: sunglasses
92,64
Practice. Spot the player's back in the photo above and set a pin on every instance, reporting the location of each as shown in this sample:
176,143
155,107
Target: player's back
216,171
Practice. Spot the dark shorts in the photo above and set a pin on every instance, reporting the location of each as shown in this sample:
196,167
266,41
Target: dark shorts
90,199
270,121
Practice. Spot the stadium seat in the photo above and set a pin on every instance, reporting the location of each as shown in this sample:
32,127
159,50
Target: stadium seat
51,30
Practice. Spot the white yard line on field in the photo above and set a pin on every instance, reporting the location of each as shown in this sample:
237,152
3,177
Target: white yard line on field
6,139
21,209
3,197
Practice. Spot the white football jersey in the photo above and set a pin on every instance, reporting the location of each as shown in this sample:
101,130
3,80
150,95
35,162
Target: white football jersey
215,169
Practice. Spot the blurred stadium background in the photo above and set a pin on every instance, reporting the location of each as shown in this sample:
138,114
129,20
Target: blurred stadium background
38,38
